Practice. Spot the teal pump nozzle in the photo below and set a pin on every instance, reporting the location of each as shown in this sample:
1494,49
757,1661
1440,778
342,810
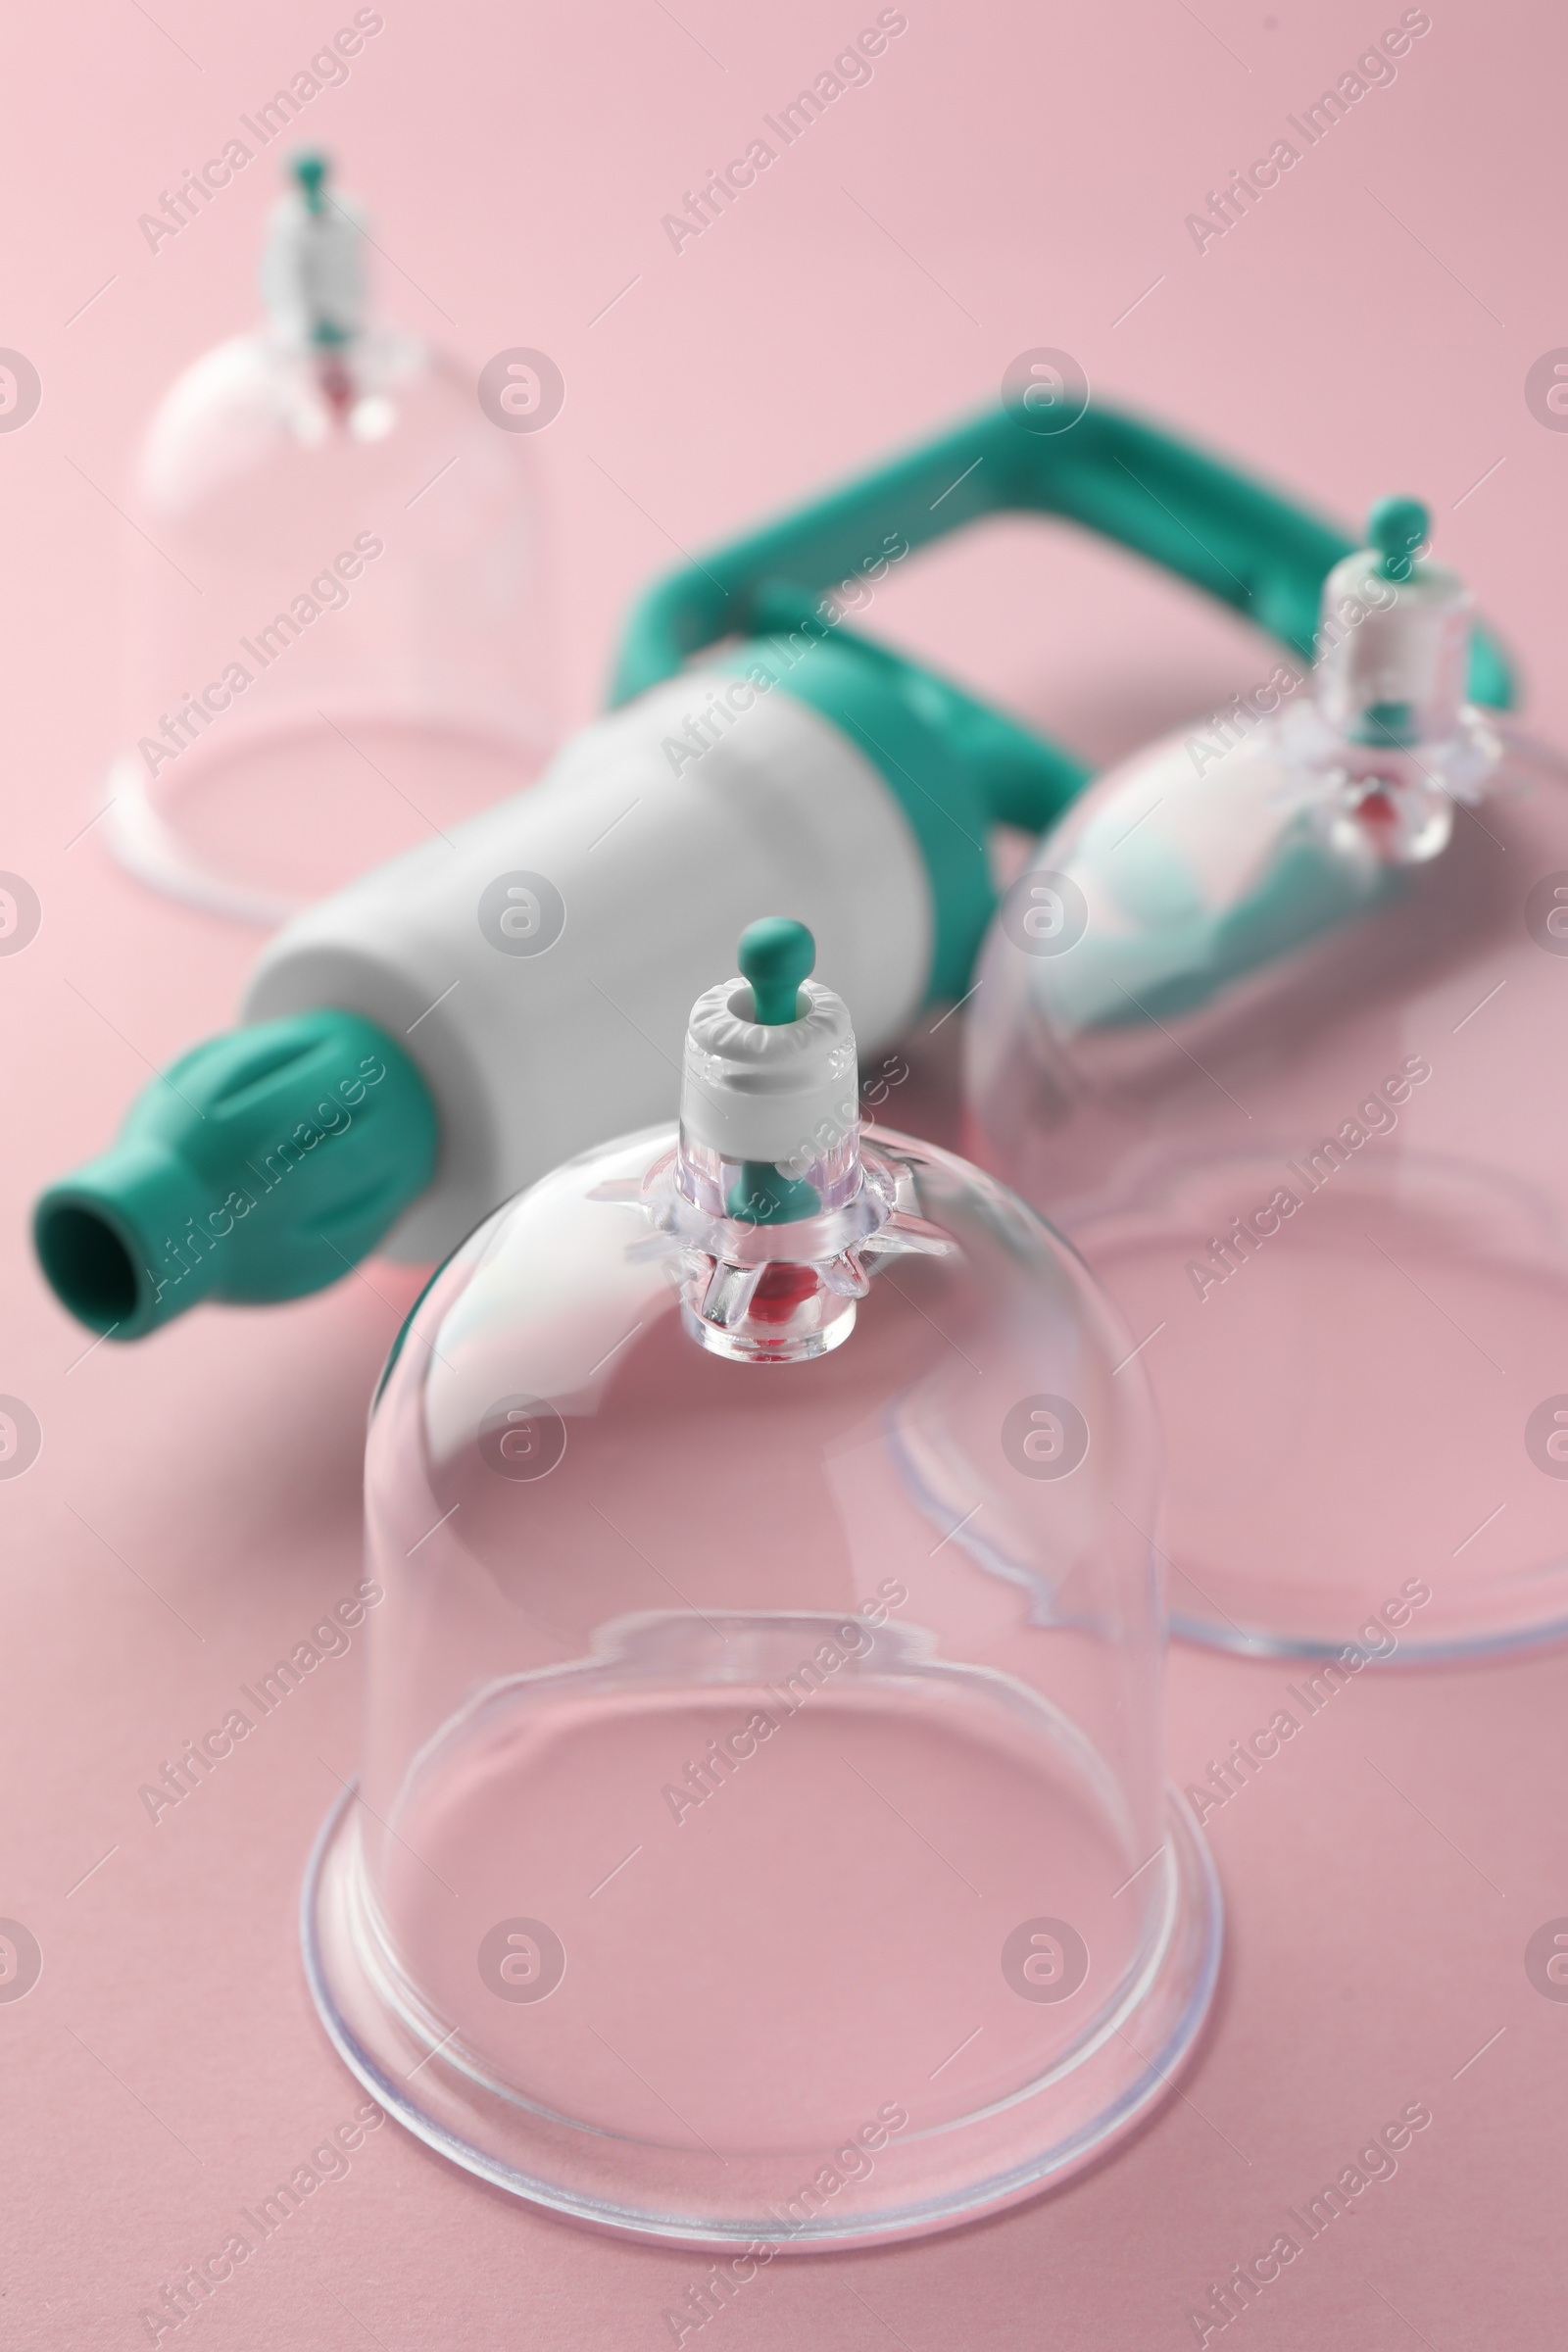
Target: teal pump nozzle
261,1167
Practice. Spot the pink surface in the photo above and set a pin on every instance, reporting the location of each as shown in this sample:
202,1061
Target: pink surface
1006,179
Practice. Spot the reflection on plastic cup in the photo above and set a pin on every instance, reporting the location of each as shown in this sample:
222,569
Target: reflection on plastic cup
1045,1437
1045,913
521,914
1044,389
1546,1436
20,1437
523,1437
521,390
20,914
1547,1959
877,1085
21,1960
522,1960
1547,913
1045,1960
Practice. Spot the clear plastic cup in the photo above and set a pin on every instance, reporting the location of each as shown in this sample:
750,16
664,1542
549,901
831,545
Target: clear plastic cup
762,1835
1268,1027
337,632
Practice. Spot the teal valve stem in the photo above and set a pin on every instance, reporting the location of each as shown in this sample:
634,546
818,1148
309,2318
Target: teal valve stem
1393,723
311,172
1399,528
775,956
765,1194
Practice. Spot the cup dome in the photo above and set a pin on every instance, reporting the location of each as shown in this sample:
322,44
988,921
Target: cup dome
1266,1026
337,617
763,1832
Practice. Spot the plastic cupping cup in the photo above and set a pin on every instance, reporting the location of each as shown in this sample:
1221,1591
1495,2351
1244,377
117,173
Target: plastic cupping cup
763,1836
336,607
1268,1025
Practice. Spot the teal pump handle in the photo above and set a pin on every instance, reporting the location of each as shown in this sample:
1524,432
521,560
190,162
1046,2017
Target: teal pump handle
1148,490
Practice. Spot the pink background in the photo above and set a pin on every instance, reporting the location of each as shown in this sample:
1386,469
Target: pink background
1010,178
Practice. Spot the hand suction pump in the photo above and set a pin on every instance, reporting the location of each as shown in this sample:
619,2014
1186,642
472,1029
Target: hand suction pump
456,1022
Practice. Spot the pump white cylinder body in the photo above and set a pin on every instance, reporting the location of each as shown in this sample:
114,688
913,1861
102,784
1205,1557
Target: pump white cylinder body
540,963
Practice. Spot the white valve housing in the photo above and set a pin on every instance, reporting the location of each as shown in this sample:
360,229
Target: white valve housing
750,1091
